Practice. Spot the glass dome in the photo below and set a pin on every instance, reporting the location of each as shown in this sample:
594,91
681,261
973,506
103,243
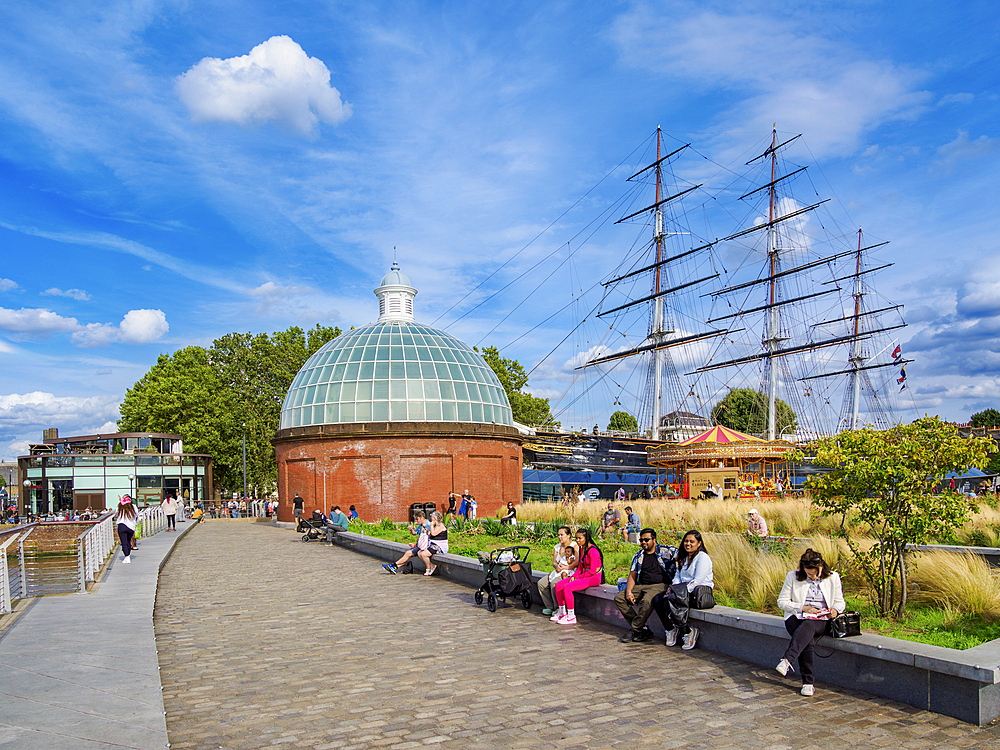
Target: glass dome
395,371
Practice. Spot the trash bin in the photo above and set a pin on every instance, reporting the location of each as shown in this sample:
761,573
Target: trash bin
414,507
429,508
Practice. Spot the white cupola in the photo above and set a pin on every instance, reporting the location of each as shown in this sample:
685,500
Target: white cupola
395,296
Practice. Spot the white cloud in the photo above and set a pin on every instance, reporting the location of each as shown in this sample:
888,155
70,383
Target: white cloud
77,294
24,416
6,285
785,72
35,322
962,149
277,82
143,326
137,327
956,99
39,408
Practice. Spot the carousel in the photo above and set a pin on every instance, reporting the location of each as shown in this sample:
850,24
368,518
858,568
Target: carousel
721,462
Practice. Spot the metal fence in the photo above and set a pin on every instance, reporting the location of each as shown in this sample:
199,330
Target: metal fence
35,567
11,580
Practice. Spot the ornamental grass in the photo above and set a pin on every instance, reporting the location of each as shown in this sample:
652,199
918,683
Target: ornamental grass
962,582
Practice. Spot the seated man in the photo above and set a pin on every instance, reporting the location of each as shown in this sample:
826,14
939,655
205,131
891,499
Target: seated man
336,523
610,520
651,572
632,523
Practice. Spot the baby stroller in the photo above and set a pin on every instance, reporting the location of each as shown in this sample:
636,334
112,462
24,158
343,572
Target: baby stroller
312,528
508,574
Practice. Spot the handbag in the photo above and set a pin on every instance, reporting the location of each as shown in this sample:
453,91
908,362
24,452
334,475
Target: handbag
702,597
844,625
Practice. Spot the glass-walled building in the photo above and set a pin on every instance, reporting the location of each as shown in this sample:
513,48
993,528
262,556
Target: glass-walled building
94,471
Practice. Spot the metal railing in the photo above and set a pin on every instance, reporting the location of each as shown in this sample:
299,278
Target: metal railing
35,567
150,521
11,580
97,544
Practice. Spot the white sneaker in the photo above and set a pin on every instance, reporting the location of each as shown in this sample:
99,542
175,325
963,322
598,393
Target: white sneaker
127,561
807,690
690,639
783,667
672,636
556,616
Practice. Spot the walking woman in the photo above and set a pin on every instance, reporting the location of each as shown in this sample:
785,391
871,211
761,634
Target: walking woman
125,518
589,572
694,568
169,506
809,597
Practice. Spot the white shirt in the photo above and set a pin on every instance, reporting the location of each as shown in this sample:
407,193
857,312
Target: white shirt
698,573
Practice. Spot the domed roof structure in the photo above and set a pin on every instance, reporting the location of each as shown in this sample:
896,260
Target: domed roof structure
395,370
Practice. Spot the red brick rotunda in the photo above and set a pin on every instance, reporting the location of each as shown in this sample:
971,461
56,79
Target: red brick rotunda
396,413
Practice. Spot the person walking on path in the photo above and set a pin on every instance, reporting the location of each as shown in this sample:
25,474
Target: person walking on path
125,518
169,506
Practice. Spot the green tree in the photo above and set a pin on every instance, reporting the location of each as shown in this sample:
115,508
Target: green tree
883,481
213,397
624,422
986,418
527,409
745,410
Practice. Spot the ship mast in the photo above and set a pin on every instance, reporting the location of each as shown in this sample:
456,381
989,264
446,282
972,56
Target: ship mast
657,334
855,358
772,317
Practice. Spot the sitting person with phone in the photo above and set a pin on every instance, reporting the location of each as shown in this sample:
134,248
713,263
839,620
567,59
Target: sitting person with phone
810,597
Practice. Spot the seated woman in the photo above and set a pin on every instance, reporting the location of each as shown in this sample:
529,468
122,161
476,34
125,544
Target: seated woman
421,529
437,542
694,568
809,597
589,572
563,564
511,516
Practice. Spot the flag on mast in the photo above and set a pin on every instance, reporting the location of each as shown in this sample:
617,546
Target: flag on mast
897,353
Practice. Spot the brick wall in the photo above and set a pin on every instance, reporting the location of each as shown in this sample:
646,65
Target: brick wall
383,474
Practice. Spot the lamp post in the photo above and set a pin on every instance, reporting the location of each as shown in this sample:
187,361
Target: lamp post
131,491
244,460
24,503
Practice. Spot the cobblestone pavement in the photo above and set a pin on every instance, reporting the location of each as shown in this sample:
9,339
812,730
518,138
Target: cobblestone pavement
266,641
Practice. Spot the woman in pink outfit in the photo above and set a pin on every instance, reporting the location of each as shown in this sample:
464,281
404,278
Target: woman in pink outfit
589,572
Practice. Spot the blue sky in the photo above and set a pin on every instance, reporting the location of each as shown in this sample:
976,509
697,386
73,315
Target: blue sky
160,188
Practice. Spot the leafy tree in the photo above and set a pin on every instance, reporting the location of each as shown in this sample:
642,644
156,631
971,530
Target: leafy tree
207,396
527,409
745,410
986,418
623,421
883,481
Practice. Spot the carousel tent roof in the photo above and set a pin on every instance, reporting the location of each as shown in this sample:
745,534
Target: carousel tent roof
720,434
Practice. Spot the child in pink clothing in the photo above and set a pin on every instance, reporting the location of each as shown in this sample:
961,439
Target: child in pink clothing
589,572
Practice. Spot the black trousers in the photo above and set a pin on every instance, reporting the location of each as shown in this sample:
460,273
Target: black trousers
172,522
126,535
672,607
804,634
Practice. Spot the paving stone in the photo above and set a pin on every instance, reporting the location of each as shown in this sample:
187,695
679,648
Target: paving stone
266,641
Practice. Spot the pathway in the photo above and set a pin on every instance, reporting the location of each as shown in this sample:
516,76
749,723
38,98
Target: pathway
265,641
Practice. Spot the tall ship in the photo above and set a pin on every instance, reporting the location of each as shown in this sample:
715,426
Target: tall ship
776,327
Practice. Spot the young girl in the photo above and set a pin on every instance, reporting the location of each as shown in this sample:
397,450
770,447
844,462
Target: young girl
589,572
125,517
